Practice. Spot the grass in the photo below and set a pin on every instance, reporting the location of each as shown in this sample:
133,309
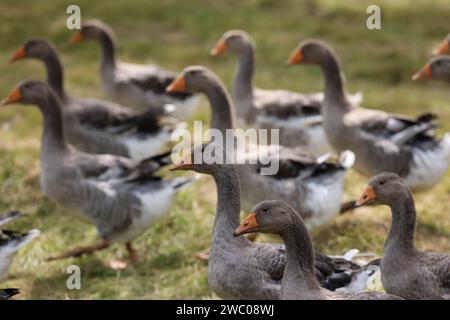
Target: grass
179,33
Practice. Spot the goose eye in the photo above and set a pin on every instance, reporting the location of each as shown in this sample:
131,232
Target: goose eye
264,210
382,182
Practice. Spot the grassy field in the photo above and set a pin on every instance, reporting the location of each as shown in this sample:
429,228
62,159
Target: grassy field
179,33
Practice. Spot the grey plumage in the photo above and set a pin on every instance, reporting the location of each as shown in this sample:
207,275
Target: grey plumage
299,281
99,126
381,141
405,270
121,197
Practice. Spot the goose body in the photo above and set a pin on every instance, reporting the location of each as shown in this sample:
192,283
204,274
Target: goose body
238,268
296,115
301,180
11,242
142,86
121,197
298,281
99,126
405,270
380,141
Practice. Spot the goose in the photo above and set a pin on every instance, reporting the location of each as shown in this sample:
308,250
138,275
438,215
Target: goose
142,86
299,281
405,270
443,47
238,268
311,185
8,293
121,197
380,141
98,126
437,68
12,241
296,115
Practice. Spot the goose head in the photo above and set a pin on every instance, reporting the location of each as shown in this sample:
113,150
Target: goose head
437,68
194,79
38,48
234,41
271,216
93,30
384,188
443,47
311,52
28,92
209,158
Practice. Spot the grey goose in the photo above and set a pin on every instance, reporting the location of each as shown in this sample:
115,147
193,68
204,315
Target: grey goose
313,186
296,115
238,268
299,281
405,270
381,141
121,197
99,126
141,86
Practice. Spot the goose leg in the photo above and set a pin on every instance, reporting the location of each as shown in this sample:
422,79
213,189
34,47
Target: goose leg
132,258
202,255
79,251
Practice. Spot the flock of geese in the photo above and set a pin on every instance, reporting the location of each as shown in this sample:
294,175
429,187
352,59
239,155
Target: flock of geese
102,160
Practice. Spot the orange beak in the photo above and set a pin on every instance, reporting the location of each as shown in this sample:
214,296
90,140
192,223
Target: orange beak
368,196
247,225
177,85
18,54
296,58
219,49
422,74
442,48
13,97
184,164
77,37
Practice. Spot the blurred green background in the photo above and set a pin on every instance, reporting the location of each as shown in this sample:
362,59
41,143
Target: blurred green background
175,34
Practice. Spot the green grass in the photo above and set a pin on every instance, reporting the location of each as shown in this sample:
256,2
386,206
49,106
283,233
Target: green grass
179,33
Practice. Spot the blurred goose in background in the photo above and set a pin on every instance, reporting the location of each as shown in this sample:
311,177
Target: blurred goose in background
437,68
406,271
296,115
11,242
122,198
98,126
299,281
314,186
380,141
443,47
141,86
6,294
238,268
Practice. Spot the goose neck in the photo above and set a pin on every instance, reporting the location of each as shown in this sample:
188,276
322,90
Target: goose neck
55,73
299,255
53,134
228,206
401,233
243,78
335,91
108,58
222,117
